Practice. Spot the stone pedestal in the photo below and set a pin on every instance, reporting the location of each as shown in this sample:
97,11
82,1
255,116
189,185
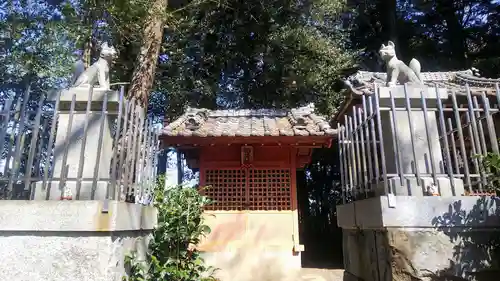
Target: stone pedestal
420,237
421,142
71,240
69,139
414,187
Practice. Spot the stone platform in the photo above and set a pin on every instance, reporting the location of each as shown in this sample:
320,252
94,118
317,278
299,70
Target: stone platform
418,237
71,240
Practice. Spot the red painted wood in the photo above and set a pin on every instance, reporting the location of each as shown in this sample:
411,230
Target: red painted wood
265,184
309,141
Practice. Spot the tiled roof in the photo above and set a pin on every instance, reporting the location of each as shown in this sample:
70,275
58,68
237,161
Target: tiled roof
248,123
363,82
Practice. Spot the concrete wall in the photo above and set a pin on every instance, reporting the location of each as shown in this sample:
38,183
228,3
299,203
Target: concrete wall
421,238
71,240
254,244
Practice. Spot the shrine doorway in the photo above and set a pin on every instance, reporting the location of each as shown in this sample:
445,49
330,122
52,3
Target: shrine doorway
318,192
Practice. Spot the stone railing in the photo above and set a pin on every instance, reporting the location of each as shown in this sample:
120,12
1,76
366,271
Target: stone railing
416,141
77,177
410,161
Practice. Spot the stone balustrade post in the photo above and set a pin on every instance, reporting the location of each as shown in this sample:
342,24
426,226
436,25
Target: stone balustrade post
81,157
412,141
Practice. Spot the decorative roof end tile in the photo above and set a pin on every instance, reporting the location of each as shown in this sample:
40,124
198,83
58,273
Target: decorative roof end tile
300,121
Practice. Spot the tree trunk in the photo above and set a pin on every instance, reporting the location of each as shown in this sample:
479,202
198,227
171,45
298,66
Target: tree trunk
454,34
180,167
388,19
147,60
145,67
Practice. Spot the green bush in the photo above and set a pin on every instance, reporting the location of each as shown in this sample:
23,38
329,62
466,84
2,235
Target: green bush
180,225
490,164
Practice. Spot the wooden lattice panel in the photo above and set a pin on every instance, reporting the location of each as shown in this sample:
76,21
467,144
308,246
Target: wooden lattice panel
248,189
227,189
269,189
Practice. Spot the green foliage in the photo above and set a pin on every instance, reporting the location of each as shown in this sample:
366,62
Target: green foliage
490,164
35,45
254,54
180,226
442,35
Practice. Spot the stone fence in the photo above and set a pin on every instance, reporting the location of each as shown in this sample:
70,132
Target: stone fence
416,195
76,175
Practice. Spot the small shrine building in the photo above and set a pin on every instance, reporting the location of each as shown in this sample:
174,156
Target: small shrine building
248,160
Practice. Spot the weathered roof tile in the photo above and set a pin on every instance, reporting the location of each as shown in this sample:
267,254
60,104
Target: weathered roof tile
261,122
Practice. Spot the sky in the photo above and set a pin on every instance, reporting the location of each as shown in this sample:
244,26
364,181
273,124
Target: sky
171,173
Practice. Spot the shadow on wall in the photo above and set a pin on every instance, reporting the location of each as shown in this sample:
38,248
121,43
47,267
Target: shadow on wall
462,244
250,260
475,232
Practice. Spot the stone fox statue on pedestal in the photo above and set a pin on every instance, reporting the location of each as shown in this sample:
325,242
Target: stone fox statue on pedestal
97,72
398,71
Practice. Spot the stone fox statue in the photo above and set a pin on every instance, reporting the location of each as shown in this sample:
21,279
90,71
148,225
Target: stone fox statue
398,71
97,72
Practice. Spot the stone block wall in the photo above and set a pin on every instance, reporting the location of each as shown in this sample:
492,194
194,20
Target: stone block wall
423,238
71,240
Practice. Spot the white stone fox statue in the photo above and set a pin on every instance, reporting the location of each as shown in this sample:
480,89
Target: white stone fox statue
398,71
97,72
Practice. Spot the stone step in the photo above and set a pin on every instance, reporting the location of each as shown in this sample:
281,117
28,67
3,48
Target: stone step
277,274
317,274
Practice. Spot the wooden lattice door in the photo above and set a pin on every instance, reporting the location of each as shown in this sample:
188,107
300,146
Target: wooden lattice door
248,189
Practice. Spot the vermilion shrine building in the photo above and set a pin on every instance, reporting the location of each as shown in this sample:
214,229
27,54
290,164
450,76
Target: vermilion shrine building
248,159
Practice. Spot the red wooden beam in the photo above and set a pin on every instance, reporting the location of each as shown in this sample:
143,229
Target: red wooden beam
302,141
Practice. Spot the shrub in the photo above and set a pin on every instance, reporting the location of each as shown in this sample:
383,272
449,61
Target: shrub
490,164
180,225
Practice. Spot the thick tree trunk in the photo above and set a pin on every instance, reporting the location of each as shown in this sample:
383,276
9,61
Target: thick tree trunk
455,34
86,55
144,72
145,67
91,51
180,167
388,19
